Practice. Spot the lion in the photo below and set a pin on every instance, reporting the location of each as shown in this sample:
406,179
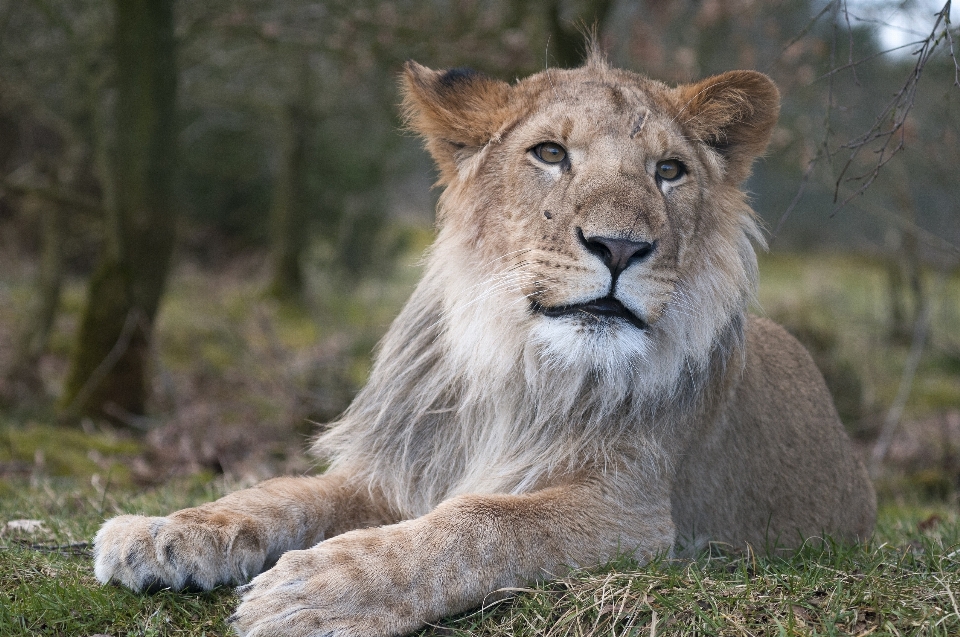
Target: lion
576,376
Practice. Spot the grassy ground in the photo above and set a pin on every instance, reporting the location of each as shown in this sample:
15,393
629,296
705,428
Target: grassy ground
905,582
239,376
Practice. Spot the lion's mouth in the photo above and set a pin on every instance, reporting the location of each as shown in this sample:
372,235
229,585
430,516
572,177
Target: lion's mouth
599,309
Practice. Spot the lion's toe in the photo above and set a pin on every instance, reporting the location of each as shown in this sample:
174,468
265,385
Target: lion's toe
147,554
124,554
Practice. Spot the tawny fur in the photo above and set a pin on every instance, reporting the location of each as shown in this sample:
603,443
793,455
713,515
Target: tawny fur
501,438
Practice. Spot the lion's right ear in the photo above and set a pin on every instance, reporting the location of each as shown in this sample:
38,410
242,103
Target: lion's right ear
734,113
456,111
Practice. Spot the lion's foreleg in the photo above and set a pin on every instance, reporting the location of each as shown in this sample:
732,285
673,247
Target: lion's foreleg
232,539
392,579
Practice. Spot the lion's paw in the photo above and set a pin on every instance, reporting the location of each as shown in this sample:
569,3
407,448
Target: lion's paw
332,590
181,552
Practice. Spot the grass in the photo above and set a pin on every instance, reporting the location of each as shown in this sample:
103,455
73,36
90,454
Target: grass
47,585
238,375
904,582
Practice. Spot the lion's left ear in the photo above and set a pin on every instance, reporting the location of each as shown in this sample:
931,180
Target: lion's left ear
457,111
733,113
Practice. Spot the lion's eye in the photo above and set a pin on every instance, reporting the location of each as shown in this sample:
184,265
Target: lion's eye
550,152
669,169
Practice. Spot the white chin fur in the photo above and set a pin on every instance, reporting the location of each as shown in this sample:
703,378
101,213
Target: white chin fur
608,347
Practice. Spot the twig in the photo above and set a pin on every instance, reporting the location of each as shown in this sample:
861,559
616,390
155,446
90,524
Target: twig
853,67
953,53
855,63
806,29
895,413
79,549
897,110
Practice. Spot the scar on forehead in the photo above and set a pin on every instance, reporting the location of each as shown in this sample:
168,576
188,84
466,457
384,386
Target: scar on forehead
616,96
638,126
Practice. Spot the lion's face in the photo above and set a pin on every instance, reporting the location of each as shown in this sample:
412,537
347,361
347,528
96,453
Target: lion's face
588,208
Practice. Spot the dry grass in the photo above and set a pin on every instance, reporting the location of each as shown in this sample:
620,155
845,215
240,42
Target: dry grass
905,582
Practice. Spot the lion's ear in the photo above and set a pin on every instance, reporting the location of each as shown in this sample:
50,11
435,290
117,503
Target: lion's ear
457,111
733,113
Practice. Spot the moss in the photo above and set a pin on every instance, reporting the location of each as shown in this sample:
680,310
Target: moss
56,451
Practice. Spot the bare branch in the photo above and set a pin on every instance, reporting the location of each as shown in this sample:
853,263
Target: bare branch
886,135
850,64
872,56
803,32
895,112
895,413
953,53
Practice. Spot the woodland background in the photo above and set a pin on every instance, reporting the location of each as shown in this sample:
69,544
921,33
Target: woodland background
209,212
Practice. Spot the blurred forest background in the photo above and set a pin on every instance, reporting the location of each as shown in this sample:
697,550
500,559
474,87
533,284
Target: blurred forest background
209,212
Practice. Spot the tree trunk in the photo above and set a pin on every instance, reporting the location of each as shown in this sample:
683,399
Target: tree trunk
23,381
108,376
288,214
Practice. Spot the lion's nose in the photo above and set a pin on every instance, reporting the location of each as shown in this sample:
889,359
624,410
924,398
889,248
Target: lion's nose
617,254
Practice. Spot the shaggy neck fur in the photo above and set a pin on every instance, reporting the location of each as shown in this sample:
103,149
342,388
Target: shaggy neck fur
467,395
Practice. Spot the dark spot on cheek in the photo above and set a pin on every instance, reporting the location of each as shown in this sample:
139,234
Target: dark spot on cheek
548,214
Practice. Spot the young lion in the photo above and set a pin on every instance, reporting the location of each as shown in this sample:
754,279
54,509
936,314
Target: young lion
575,376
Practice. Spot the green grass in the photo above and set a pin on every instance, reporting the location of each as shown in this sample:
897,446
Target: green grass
904,582
56,451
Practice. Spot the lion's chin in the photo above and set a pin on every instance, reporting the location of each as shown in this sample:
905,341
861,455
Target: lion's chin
606,342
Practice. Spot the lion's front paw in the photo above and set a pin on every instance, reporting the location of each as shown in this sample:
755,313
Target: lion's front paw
349,586
185,551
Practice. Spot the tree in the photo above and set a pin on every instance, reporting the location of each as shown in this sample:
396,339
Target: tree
108,375
289,215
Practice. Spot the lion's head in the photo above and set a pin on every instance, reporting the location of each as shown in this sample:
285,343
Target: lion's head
593,213
593,258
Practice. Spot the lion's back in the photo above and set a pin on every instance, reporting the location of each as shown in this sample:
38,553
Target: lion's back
774,467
